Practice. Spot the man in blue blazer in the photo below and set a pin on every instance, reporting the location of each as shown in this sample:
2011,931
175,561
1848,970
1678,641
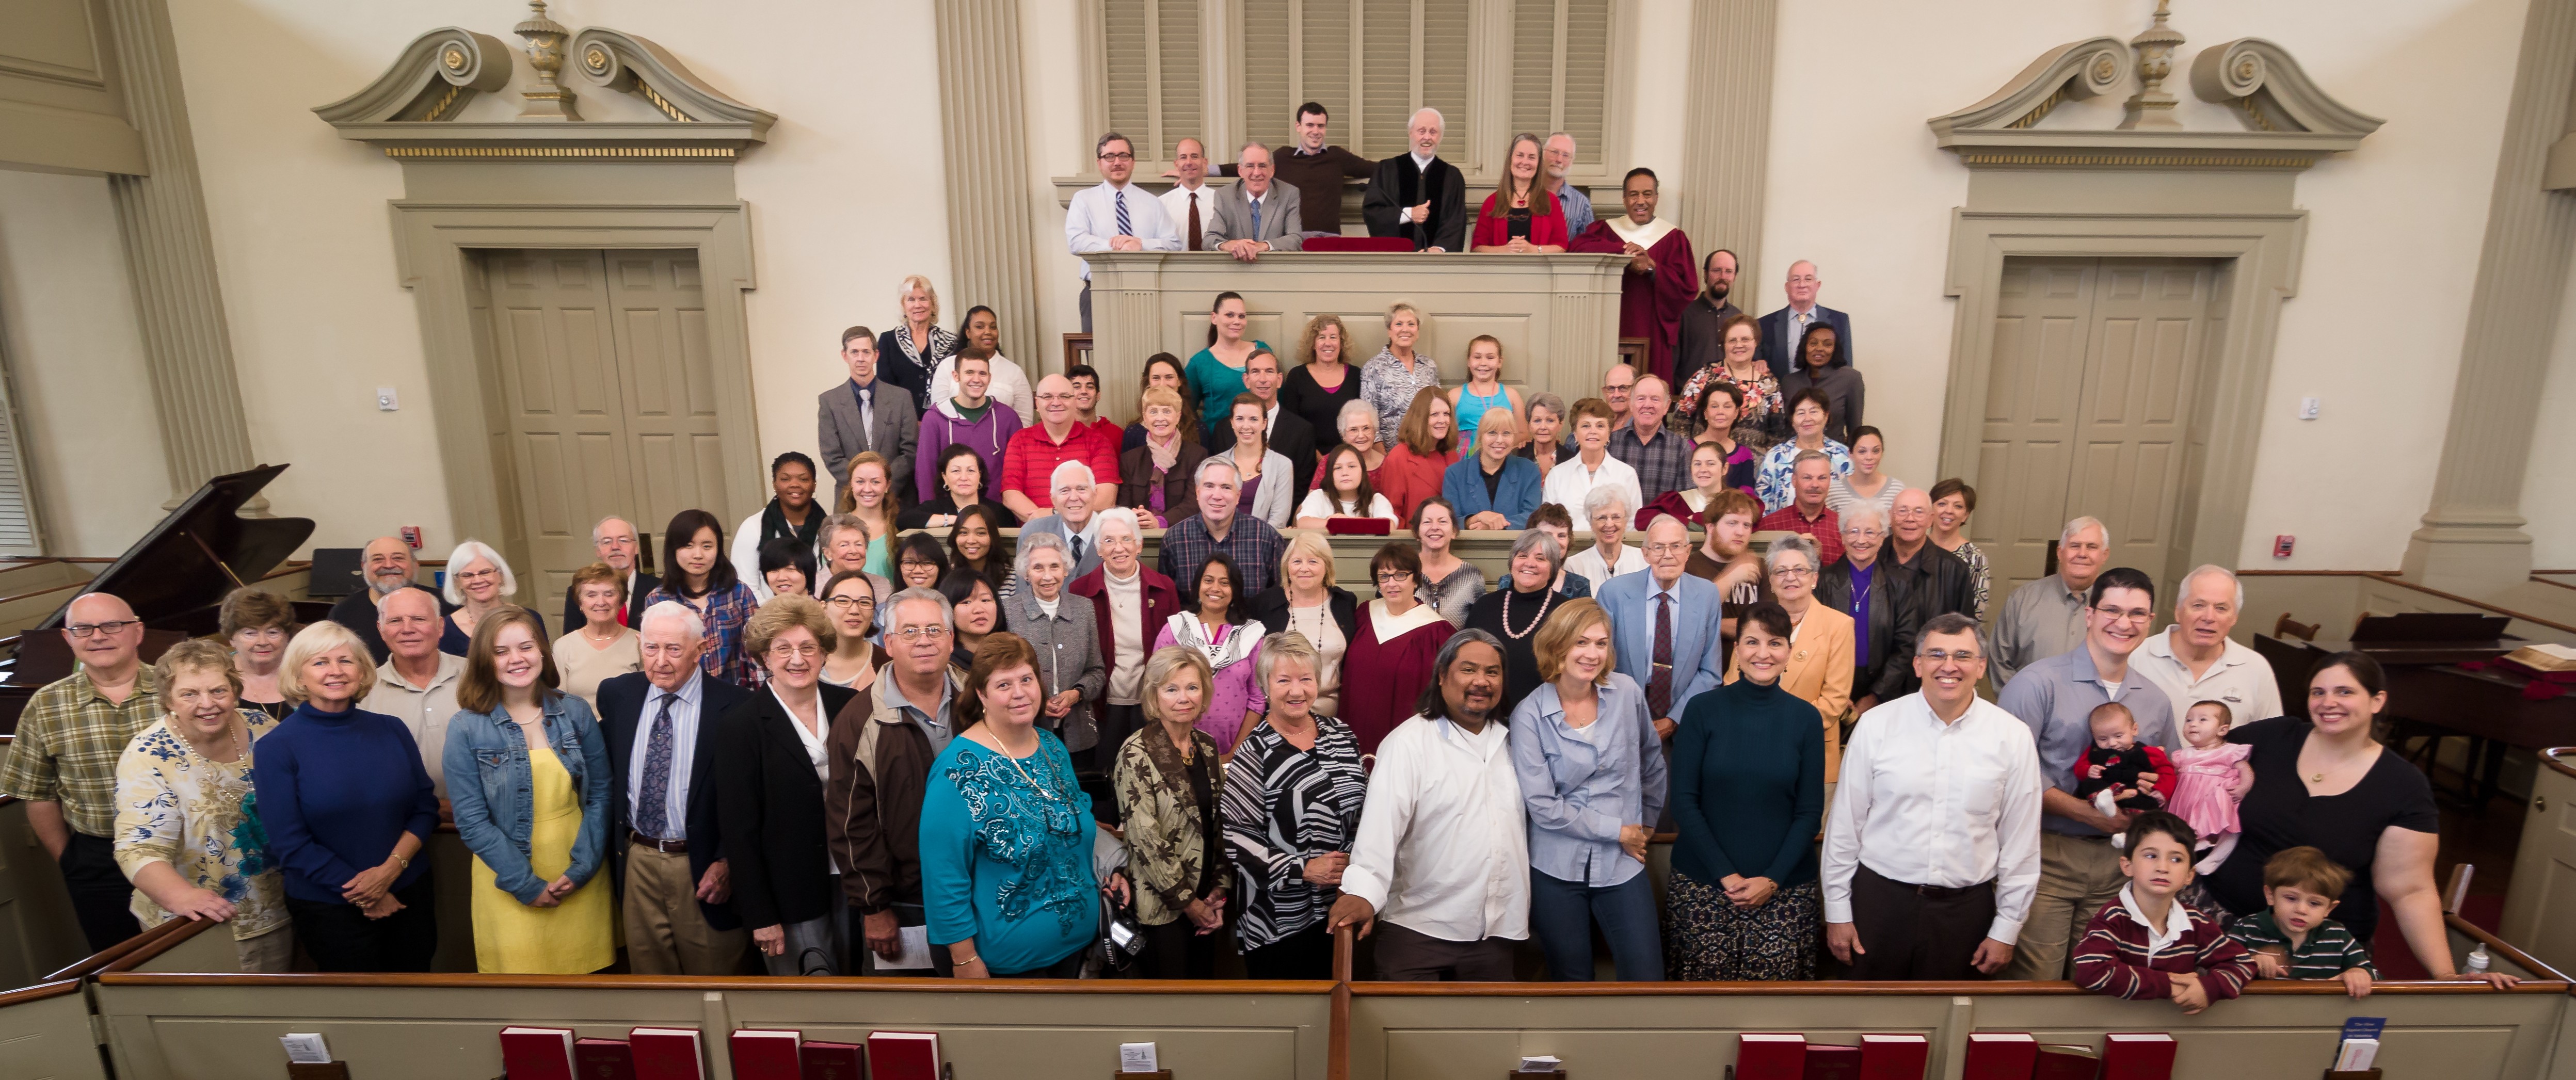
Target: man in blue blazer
1632,600
1782,329
670,869
1493,489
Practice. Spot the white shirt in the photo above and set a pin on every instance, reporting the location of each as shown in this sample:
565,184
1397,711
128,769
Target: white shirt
1176,205
2241,678
2177,922
813,741
1588,562
1127,639
1569,483
1009,386
1320,505
1443,848
1093,219
685,714
1947,805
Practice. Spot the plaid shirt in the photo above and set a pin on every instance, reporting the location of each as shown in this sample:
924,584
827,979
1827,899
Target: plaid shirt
1252,544
725,613
1827,531
1662,465
2118,956
2329,952
67,744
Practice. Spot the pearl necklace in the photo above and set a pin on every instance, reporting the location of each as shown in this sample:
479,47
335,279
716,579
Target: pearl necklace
1545,599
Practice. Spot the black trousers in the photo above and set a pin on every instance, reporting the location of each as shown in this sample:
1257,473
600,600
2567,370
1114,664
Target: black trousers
1306,954
1412,956
339,937
101,897
1176,950
1913,935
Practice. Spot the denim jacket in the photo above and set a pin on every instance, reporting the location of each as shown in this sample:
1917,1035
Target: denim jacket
493,811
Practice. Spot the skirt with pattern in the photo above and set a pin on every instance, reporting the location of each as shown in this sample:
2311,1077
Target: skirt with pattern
1709,939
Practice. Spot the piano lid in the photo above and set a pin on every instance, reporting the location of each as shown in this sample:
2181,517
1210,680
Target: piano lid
204,550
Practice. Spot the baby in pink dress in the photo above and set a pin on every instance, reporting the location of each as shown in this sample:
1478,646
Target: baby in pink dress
2213,776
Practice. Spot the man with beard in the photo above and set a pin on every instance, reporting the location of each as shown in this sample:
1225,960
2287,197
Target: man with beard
1559,160
1699,341
387,568
1445,807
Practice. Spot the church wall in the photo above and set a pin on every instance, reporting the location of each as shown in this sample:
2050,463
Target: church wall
2549,488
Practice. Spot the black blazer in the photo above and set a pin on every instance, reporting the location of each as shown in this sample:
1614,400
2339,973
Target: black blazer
1397,184
771,807
621,716
1270,609
1293,437
1777,350
645,583
1180,485
1895,617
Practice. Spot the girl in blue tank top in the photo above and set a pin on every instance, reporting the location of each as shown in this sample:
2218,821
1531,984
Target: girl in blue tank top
1484,388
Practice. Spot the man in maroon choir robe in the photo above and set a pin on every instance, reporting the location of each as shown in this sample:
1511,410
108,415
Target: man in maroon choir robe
1661,279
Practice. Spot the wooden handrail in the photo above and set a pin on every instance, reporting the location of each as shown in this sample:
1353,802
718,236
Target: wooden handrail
99,961
2281,987
38,992
2500,947
1337,1027
2556,758
43,591
150,950
2392,579
842,984
2547,581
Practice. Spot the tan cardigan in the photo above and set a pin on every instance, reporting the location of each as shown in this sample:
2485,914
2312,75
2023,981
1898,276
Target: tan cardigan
1820,673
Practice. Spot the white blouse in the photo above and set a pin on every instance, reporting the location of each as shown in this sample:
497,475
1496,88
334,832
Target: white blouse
1320,505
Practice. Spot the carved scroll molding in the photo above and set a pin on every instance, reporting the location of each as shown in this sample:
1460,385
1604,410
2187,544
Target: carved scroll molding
2082,69
411,110
2272,92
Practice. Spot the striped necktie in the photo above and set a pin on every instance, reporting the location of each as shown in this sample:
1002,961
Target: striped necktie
1124,228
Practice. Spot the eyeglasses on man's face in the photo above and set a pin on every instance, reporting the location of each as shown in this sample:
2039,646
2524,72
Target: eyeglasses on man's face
82,630
933,632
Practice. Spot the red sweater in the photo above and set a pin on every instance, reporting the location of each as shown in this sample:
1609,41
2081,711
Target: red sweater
1028,464
2112,957
1547,222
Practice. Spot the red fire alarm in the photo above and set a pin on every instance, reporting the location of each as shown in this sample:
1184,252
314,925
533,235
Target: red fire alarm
2282,544
411,536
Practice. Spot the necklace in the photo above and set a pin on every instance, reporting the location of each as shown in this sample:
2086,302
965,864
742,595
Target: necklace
1042,790
1545,599
1314,637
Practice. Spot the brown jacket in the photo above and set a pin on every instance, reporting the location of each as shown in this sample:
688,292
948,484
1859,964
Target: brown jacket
880,766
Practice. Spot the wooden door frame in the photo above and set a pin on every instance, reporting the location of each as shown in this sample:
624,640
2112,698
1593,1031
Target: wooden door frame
2264,250
433,242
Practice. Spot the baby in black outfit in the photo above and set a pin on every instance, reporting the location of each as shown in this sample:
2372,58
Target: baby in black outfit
2118,775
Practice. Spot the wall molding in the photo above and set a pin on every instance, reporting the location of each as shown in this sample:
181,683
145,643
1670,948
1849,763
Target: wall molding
1726,137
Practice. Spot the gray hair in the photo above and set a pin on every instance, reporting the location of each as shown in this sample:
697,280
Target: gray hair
464,556
1120,514
596,530
1432,703
1353,407
694,627
1603,497
2212,568
2067,535
1287,645
1200,477
1799,543
1032,542
1435,115
1102,147
1541,542
1950,622
885,614
1555,135
1250,144
1548,401
1866,508
834,524
1057,477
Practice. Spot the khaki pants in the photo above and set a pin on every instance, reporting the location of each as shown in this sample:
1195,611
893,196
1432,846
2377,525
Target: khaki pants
666,934
2076,878
271,953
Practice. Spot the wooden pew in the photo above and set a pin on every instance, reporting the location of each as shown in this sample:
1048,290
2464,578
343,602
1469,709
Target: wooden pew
44,1031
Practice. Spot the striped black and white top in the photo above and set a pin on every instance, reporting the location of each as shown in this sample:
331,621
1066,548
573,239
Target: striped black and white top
1283,806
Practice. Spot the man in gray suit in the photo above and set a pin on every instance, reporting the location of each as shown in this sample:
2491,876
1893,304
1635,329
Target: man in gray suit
1256,215
866,413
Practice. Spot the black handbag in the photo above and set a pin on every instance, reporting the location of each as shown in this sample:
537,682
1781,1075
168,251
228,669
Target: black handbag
1121,939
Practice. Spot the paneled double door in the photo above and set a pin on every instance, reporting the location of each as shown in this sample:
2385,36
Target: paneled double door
598,368
2090,405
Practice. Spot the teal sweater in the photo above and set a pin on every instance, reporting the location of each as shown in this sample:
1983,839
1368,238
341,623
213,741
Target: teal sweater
1004,862
1748,785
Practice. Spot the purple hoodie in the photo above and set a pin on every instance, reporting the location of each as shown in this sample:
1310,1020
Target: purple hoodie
943,425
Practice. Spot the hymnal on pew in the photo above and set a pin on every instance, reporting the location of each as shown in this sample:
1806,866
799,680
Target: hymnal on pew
2066,1062
533,1053
603,1059
665,1053
762,1054
2001,1055
1769,1056
2137,1055
834,1061
904,1055
1831,1061
1894,1057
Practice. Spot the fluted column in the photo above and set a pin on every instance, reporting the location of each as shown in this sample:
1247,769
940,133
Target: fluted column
171,256
1726,135
2472,540
985,145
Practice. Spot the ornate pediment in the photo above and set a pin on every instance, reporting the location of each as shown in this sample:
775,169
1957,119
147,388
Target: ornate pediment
415,109
2285,120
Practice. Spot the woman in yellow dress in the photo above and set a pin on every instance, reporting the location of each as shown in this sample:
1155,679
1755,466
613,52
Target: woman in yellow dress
527,772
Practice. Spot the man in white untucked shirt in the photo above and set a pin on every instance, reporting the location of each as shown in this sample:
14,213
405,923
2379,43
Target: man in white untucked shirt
2196,659
1442,850
1932,846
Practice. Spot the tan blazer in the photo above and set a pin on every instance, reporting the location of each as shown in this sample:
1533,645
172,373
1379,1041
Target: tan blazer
1820,673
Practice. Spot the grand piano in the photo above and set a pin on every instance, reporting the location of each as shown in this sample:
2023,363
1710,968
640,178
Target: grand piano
175,578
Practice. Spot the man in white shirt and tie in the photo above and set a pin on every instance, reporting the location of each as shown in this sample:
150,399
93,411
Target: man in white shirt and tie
658,724
1191,203
1443,848
1932,843
1114,216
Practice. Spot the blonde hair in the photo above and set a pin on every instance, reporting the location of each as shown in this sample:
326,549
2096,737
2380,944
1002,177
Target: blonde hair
1160,667
1556,638
781,614
599,573
1312,543
313,641
1286,645
194,654
916,281
1401,306
1157,395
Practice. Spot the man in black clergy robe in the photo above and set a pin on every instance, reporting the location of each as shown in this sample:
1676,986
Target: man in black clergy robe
1418,196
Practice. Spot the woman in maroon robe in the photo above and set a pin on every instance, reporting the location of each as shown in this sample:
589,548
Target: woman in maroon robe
1392,656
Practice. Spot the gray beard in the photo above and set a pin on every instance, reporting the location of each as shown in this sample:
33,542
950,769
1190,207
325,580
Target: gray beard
382,589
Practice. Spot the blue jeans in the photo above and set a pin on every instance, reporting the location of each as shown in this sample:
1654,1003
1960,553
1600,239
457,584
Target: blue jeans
1562,914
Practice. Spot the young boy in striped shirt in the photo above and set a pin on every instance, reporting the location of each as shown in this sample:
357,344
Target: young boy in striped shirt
2295,939
2149,945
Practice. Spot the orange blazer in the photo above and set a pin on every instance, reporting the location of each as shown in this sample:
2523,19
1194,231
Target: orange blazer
1820,673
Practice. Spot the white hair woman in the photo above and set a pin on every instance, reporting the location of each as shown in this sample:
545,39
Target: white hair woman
1291,807
478,580
1607,509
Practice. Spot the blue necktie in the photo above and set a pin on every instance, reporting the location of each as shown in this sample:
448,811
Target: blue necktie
650,817
1256,219
1124,229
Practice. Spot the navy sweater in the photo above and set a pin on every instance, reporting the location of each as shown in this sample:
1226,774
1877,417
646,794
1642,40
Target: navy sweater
1748,785
336,791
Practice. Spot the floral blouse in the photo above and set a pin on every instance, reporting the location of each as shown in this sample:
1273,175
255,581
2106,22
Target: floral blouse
1771,483
1171,851
1761,403
177,806
1386,385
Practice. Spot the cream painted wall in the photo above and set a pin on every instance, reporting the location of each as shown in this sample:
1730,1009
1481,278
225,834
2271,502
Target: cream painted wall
76,359
2547,488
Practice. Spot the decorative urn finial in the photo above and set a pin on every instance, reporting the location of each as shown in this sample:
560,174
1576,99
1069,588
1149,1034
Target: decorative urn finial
549,99
2153,107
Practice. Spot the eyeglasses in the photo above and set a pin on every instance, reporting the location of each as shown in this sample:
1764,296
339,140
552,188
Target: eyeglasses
1395,575
1667,548
2130,615
783,650
856,601
1118,157
919,633
1943,656
82,630
476,575
1864,533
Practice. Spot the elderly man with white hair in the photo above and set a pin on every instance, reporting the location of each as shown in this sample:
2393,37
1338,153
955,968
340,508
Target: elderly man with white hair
615,542
1074,492
2046,617
660,726
1417,196
63,760
1886,615
2198,659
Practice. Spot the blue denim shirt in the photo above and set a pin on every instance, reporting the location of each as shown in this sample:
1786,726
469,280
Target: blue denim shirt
1579,792
494,811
